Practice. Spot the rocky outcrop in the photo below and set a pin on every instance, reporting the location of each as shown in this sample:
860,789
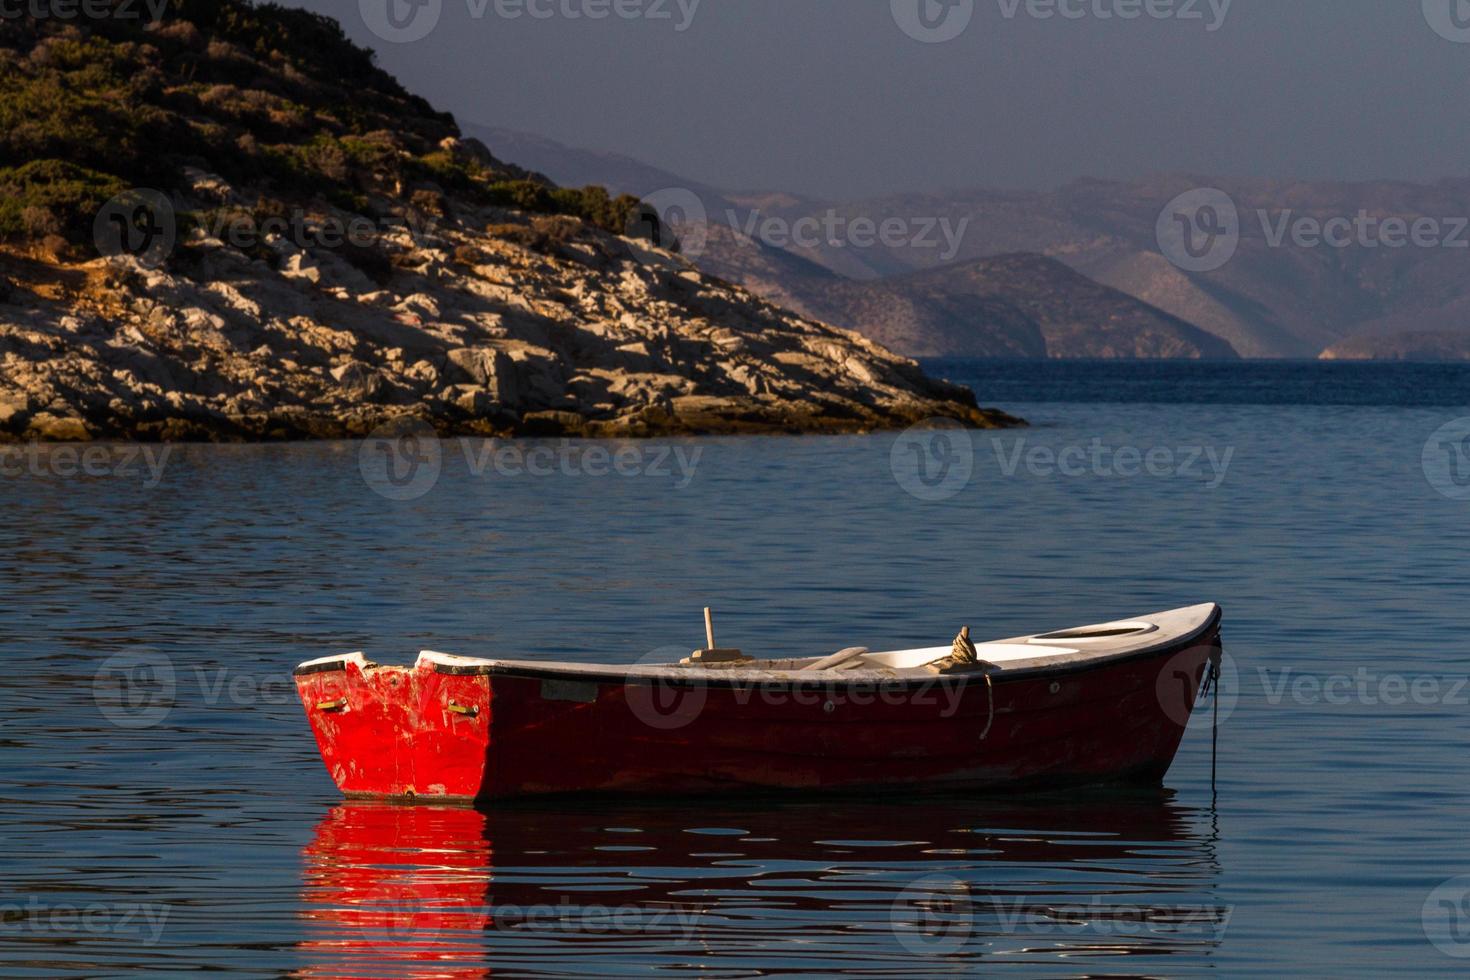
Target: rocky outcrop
1414,345
306,249
490,322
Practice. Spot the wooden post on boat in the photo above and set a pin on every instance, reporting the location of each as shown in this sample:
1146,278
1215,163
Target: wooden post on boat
712,654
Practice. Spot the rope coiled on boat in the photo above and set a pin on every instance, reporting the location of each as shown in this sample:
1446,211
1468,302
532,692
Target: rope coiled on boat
963,652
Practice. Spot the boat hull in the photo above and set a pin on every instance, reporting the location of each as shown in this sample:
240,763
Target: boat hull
464,735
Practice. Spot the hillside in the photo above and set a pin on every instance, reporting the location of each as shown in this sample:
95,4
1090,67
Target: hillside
1021,305
294,246
1077,318
1005,306
1272,299
928,322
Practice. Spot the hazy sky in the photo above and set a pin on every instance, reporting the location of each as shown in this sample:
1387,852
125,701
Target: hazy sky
835,98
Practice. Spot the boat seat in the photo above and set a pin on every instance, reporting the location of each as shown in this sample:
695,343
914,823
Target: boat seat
995,653
839,659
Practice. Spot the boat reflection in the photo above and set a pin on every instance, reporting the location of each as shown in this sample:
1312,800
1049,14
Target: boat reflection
830,886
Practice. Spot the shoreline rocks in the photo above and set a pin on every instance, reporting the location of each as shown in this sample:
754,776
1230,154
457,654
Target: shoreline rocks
489,324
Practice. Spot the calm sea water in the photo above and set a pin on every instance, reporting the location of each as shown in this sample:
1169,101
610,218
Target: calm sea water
186,823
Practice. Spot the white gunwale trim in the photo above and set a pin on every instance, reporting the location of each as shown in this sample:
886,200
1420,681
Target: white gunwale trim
356,658
1134,628
434,658
1046,651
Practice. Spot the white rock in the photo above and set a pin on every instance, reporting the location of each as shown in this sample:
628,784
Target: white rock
303,267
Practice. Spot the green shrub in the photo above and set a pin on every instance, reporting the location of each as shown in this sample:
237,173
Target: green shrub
69,194
452,172
591,204
277,101
523,195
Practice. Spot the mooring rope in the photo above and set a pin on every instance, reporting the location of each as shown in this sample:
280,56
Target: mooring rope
1213,683
990,697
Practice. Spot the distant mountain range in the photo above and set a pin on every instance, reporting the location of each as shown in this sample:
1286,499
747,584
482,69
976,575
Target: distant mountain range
1016,305
1001,288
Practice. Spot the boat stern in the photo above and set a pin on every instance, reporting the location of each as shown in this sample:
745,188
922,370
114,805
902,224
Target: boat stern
384,732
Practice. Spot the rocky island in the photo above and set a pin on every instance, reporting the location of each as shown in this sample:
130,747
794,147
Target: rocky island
232,225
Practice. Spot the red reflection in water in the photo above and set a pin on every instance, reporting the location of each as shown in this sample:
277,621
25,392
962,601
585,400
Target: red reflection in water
397,891
434,892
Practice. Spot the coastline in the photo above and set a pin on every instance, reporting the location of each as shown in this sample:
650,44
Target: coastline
732,419
480,327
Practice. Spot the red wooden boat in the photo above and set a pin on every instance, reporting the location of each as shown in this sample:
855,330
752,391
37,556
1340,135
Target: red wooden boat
1094,704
